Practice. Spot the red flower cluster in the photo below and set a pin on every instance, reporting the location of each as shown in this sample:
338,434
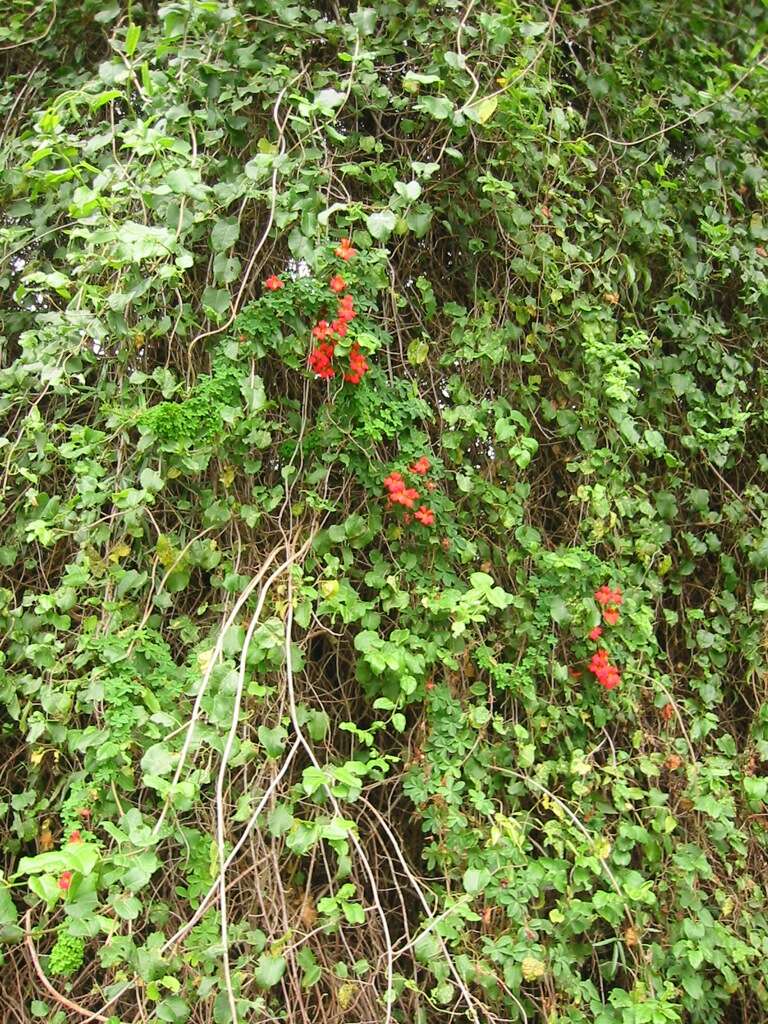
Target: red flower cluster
65,880
273,283
607,674
399,494
611,601
328,334
345,250
321,360
357,365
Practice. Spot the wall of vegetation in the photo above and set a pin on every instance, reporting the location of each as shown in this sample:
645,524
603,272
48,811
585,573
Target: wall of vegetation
384,518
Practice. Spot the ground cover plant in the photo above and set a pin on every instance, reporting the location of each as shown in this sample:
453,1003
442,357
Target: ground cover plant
384,518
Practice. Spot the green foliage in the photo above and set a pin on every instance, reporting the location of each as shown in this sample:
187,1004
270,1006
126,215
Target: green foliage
67,955
229,648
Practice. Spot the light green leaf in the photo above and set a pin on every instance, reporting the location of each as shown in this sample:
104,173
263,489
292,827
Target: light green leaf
151,480
439,107
329,99
269,970
418,351
364,20
132,37
273,740
381,224
225,233
475,880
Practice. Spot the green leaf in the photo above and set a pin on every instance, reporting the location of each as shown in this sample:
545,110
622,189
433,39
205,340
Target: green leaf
381,224
82,857
173,1009
559,611
328,99
151,480
364,20
269,970
318,723
418,351
159,760
280,819
132,36
225,233
273,740
475,880
126,906
438,107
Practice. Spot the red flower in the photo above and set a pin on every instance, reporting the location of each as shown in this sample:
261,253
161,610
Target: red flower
320,361
425,515
430,485
273,283
75,836
607,675
605,596
339,327
421,466
394,482
337,284
667,712
345,250
345,310
65,880
84,813
611,616
406,497
321,331
595,633
358,367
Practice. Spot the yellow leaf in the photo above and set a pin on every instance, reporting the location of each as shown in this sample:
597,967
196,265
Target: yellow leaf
602,848
532,968
118,552
346,994
228,476
204,660
482,110
166,552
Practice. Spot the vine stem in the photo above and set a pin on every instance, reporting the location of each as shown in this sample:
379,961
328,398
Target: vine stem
334,802
292,558
215,655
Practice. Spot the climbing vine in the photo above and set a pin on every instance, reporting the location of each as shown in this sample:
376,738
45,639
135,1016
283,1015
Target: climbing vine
383,523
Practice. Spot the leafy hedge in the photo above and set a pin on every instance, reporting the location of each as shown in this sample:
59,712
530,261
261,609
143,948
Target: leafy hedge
282,740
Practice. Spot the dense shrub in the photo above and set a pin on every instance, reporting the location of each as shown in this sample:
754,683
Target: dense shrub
384,522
